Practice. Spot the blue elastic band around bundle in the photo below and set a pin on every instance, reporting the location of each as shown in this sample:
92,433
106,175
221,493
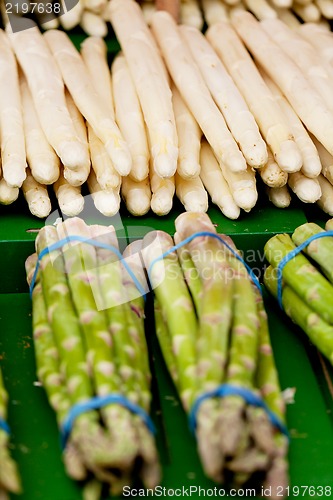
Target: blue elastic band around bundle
4,426
96,403
232,390
293,253
211,235
59,244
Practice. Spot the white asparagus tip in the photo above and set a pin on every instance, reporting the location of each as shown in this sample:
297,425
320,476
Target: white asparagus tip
308,191
289,158
165,164
235,162
73,154
189,169
140,168
195,203
138,203
161,204
107,202
8,194
72,207
41,206
231,212
246,197
14,176
121,158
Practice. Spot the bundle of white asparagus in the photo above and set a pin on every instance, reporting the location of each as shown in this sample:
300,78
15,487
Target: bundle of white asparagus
180,113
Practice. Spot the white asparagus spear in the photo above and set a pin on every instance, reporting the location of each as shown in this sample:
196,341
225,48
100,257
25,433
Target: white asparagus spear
42,159
149,76
267,113
242,186
302,2
47,90
215,184
13,153
308,190
289,18
101,162
106,201
308,13
325,202
94,55
280,197
214,11
326,160
163,191
7,194
190,14
36,196
320,39
78,176
307,103
47,22
228,98
130,118
70,199
261,9
87,100
194,91
189,137
271,173
325,7
231,2
148,8
137,195
71,17
192,194
304,55
311,162
93,24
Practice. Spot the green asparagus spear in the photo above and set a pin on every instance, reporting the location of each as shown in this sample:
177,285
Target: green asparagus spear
171,291
320,250
318,330
302,277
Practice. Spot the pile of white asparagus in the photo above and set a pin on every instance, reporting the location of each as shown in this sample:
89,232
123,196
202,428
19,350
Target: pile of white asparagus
93,17
179,112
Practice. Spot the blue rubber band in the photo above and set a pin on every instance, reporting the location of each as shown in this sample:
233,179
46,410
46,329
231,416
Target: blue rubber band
4,426
96,403
212,235
232,390
293,253
59,244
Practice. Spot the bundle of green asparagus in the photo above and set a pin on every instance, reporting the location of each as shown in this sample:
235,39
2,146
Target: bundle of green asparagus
307,287
89,342
213,333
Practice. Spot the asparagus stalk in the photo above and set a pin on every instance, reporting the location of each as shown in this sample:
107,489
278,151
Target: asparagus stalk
318,330
302,276
166,278
319,250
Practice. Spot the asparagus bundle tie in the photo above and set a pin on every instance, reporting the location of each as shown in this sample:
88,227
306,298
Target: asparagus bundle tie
96,403
98,244
210,235
293,254
247,395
